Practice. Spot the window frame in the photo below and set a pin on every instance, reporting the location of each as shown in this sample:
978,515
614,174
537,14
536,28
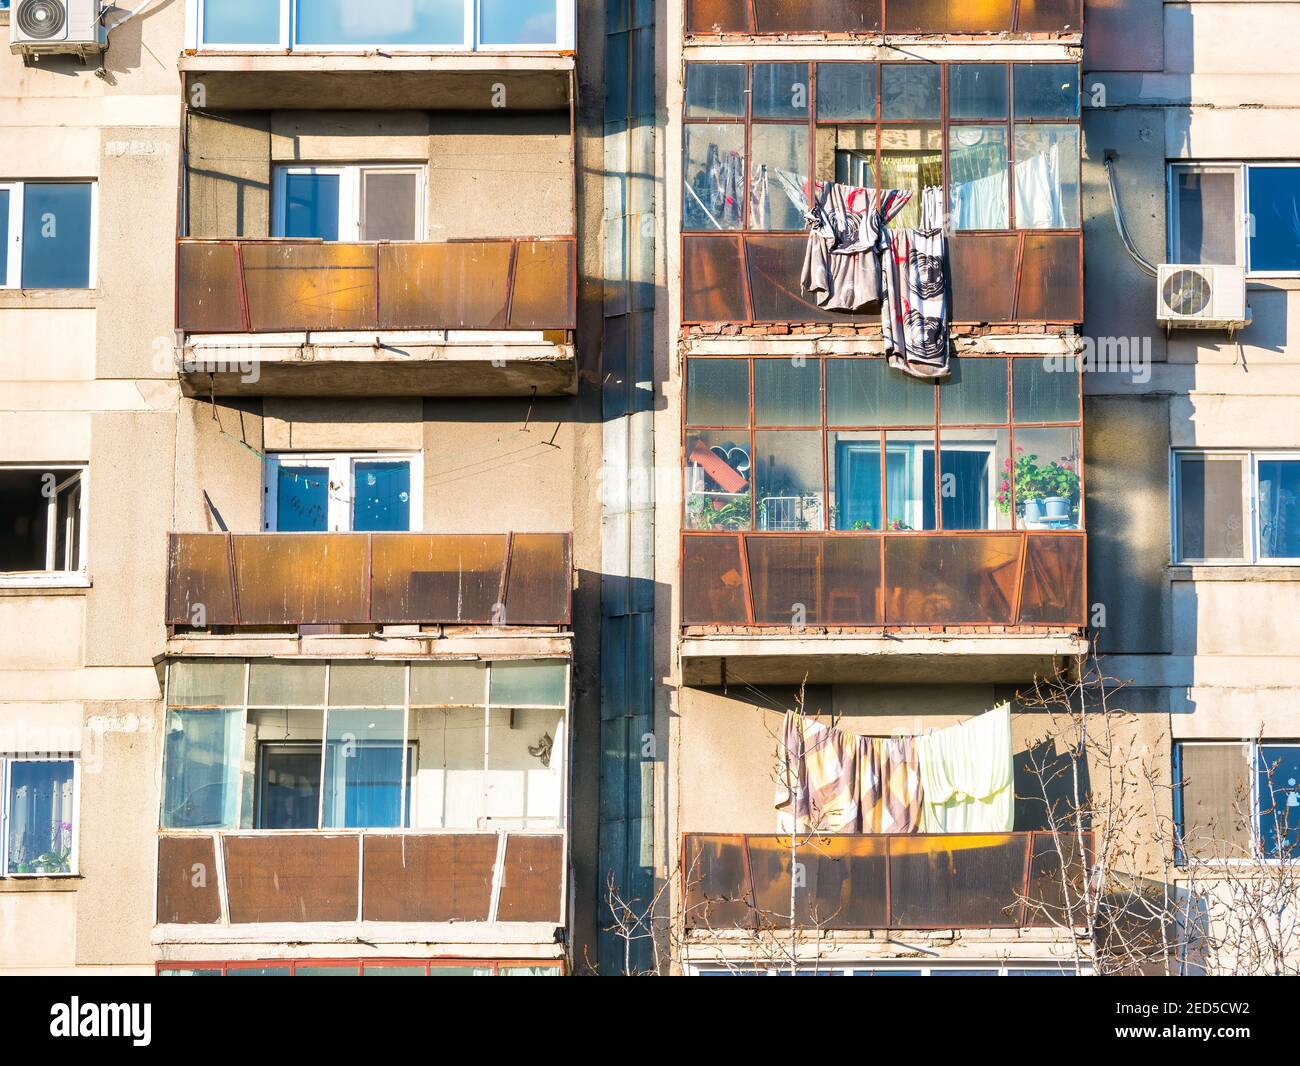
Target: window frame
342,467
1254,746
351,186
79,578
248,797
471,39
14,238
1250,510
1240,169
943,123
6,767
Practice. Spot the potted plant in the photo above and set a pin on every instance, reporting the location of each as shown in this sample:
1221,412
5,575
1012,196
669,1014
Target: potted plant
1046,491
1059,483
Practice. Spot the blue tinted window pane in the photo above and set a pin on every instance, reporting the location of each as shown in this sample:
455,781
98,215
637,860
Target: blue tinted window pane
40,817
1275,209
381,500
517,22
241,21
1279,509
201,761
363,769
398,22
302,499
56,235
1279,800
311,206
4,228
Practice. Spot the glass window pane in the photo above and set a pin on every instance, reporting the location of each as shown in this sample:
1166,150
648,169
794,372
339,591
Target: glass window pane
396,22
241,22
715,90
788,481
1047,478
1046,90
523,785
1278,788
525,684
911,158
4,236
449,684
1047,176
846,90
787,393
258,971
381,500
1046,390
1206,216
325,970
460,971
388,203
288,786
1275,213
1215,796
56,235
40,812
909,90
865,392
370,684
449,779
311,206
392,970
714,176
976,391
718,470
302,501
909,480
1279,508
201,762
1209,508
206,683
978,164
503,22
363,769
780,90
854,467
977,90
529,971
717,392
778,197
974,489
274,683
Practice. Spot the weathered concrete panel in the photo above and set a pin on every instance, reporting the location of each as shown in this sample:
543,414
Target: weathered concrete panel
229,193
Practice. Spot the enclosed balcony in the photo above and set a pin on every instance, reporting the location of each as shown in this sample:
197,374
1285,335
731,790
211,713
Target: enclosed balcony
842,515
865,882
866,18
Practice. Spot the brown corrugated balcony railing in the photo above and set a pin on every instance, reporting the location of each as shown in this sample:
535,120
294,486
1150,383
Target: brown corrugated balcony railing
371,875
295,579
867,881
894,16
284,286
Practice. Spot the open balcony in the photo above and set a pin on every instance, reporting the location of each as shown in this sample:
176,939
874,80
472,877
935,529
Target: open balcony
865,882
362,582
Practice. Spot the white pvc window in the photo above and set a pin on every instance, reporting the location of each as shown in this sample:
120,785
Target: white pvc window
361,492
350,202
40,815
381,25
48,229
42,525
1236,507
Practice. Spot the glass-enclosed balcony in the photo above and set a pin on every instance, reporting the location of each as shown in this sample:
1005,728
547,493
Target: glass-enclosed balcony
705,18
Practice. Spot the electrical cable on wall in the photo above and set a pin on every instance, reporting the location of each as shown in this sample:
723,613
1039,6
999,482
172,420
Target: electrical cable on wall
1118,212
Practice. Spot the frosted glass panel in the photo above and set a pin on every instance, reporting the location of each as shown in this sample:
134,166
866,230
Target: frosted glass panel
286,684
447,684
516,684
367,684
219,683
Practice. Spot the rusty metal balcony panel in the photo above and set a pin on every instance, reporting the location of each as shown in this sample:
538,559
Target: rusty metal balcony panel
182,898
532,879
292,877
927,579
295,579
873,881
418,878
290,286
996,277
901,16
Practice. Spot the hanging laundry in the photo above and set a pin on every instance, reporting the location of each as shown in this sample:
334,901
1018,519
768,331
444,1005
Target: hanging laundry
845,236
967,775
890,791
916,307
817,780
717,189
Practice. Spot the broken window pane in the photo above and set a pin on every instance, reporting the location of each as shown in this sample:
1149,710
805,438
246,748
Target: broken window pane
201,760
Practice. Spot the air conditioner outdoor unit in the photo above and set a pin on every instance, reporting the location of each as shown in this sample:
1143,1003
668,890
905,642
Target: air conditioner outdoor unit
1201,297
56,27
